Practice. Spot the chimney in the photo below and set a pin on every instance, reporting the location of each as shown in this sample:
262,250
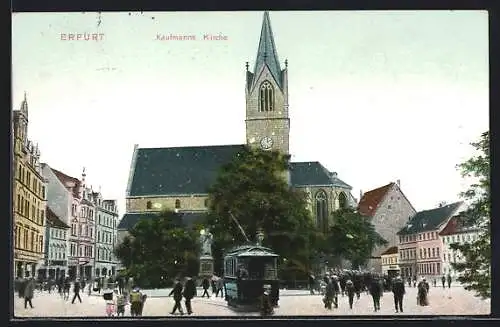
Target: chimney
398,182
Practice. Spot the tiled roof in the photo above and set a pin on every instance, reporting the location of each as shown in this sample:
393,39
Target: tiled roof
391,250
129,220
371,200
67,179
192,170
313,173
429,220
456,225
53,220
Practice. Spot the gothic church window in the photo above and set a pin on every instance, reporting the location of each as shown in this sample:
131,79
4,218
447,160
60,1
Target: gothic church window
342,201
266,97
322,210
177,204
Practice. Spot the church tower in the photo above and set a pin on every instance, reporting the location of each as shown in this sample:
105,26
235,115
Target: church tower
267,121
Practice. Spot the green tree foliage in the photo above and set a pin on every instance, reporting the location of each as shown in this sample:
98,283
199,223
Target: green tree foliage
475,272
160,247
253,188
352,237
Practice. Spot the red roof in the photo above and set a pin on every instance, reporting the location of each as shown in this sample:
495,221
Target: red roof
68,179
391,250
371,200
456,226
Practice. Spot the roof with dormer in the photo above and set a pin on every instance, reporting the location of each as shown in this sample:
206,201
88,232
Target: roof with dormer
430,220
65,179
192,170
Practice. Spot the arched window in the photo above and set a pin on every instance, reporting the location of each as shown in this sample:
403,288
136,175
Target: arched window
342,201
177,204
266,97
322,210
148,205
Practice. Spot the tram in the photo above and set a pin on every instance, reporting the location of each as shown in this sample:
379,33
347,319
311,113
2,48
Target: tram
248,271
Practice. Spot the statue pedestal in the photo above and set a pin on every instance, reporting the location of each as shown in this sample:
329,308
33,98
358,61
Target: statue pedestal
206,266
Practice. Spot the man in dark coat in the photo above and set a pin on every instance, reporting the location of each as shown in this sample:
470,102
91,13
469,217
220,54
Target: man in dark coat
28,292
443,281
76,290
349,289
206,285
312,283
177,292
449,281
422,289
376,292
120,285
398,289
336,291
329,294
189,293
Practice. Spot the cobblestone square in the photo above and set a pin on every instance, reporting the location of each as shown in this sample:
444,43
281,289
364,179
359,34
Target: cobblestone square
453,301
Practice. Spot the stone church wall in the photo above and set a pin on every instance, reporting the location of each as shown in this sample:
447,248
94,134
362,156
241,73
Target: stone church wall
188,202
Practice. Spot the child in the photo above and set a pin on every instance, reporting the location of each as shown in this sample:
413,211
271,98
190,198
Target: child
120,304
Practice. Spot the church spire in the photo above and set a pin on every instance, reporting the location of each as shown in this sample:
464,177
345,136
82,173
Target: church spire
266,53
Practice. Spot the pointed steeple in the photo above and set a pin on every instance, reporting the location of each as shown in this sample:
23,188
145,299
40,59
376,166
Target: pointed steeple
24,106
266,53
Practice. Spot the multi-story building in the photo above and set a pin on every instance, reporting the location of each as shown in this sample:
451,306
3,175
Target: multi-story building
56,247
390,261
456,231
389,210
28,199
420,247
86,233
106,235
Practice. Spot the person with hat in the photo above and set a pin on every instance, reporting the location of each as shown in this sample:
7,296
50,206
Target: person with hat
376,292
350,291
336,290
423,289
189,293
135,302
398,289
76,290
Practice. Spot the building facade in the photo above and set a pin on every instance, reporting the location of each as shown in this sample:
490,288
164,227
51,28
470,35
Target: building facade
86,233
420,247
179,177
29,199
456,232
390,262
56,250
389,210
106,236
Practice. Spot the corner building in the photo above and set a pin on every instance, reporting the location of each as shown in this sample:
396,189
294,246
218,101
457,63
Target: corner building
29,200
179,177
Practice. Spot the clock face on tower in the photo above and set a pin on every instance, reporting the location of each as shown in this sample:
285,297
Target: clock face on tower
266,143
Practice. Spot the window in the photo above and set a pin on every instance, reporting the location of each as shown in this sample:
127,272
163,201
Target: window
437,252
177,204
149,205
433,252
266,97
321,210
342,201
421,254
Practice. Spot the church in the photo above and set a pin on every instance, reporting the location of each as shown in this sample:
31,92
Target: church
178,178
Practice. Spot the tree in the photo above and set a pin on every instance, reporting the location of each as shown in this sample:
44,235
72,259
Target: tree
475,272
157,250
253,189
352,237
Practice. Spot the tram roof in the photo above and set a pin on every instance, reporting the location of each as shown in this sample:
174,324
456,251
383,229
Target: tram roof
251,251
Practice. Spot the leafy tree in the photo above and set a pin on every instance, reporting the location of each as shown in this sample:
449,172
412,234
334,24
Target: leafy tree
253,189
157,250
475,272
352,237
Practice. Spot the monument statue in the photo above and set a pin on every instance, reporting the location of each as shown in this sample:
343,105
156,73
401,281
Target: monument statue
206,240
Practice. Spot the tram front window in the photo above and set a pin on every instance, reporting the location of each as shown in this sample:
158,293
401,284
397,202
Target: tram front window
262,268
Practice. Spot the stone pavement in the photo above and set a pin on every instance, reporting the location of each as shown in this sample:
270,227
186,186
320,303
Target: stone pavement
454,301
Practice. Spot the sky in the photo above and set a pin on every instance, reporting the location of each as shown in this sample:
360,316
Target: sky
374,96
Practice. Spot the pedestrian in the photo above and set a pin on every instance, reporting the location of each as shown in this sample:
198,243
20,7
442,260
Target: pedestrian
177,292
312,282
212,283
443,281
135,301
409,281
22,285
190,292
143,301
423,289
220,287
414,281
206,285
449,281
398,289
120,285
67,287
28,293
120,305
375,291
350,291
336,291
328,299
76,290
